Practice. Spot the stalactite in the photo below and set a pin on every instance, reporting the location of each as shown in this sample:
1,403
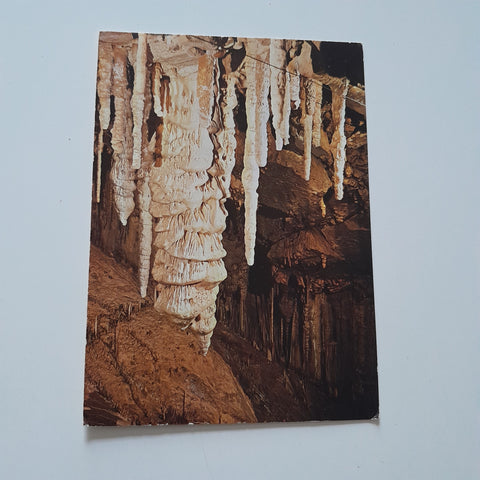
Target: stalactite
287,107
105,64
339,141
105,60
309,88
279,93
251,170
205,95
294,84
122,175
255,154
261,52
156,89
317,115
138,99
227,138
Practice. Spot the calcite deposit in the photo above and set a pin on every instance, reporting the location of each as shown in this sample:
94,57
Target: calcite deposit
173,142
122,173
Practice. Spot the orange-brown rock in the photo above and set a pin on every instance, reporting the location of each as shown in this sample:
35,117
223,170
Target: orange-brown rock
141,369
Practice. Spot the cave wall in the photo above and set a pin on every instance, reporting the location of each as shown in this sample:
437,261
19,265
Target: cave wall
307,302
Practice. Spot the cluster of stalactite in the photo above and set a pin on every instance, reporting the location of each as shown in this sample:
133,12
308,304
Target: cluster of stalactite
167,103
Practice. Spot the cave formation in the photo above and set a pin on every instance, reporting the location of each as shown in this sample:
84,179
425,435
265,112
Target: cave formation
231,174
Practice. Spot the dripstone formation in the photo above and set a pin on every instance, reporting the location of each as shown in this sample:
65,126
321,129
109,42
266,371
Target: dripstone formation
168,112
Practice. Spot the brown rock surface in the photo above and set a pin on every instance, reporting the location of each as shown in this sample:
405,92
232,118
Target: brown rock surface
141,369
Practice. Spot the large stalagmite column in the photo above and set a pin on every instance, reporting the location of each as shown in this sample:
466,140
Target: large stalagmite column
187,199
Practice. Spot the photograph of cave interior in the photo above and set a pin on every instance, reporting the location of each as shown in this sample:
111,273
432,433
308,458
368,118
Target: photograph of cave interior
230,265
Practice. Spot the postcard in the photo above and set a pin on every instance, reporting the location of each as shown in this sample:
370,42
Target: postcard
230,271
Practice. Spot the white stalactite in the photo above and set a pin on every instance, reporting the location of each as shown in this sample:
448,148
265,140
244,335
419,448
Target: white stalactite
310,98
295,84
138,99
260,50
317,116
251,171
339,141
255,154
279,93
287,107
104,82
156,87
105,64
122,174
227,138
